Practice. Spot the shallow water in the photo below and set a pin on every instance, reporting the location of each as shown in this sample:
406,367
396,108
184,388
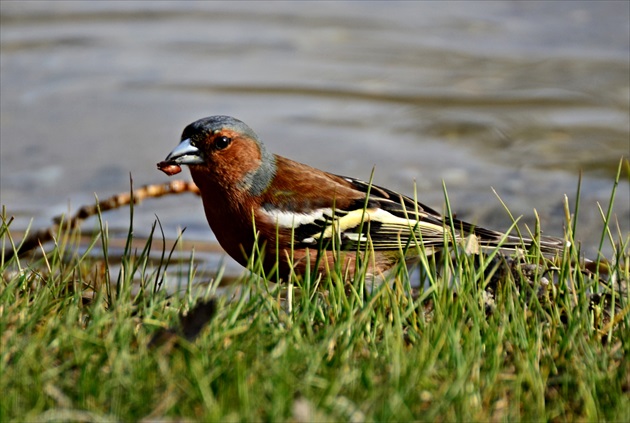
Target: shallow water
519,96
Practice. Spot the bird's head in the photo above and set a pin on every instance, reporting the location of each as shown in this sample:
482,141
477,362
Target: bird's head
224,150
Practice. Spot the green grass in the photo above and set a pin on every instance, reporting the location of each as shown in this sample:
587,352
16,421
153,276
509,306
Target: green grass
76,345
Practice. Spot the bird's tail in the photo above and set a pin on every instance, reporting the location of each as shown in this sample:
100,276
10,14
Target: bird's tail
490,238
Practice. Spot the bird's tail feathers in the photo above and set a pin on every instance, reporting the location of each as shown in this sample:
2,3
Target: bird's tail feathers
490,238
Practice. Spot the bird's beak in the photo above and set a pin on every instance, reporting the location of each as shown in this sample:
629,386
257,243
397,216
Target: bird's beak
185,154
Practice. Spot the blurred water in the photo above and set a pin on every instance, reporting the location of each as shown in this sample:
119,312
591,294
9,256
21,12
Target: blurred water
519,96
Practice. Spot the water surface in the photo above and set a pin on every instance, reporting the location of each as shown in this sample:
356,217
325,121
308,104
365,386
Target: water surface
519,96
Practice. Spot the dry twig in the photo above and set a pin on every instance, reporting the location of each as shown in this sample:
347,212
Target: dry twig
136,196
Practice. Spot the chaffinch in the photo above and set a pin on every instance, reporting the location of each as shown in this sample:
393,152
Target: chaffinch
301,214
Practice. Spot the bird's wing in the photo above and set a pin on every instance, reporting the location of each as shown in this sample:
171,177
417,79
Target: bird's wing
427,221
342,212
363,214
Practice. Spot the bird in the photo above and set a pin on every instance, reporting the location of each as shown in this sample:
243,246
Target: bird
303,219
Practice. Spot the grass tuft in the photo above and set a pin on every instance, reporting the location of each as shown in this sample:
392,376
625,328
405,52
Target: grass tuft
86,336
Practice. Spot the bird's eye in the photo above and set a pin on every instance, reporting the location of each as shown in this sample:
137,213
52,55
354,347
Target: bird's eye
222,142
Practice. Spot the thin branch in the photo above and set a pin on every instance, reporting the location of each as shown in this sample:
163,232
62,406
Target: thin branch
147,191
